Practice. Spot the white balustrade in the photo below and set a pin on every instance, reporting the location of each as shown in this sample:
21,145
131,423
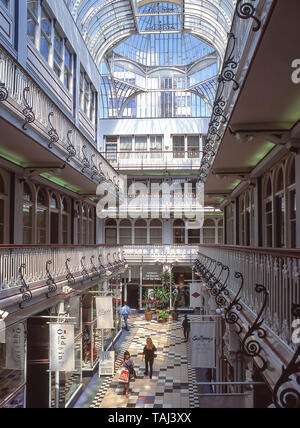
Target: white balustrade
277,270
35,259
160,253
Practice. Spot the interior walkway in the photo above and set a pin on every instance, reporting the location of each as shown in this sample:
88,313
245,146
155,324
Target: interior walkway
172,382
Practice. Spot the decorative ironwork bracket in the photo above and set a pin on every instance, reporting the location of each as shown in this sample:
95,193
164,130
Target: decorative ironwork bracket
3,92
70,149
85,161
52,287
247,11
231,316
70,277
25,290
94,269
250,346
54,137
288,397
84,271
27,111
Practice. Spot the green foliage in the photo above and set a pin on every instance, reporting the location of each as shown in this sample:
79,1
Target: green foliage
163,315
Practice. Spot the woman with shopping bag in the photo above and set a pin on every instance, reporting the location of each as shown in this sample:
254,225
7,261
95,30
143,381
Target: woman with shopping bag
127,373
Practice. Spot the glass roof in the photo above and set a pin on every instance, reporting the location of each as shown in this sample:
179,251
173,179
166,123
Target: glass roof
105,23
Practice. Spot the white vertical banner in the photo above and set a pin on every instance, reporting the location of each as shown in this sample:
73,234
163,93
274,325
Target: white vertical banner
203,339
62,347
195,295
15,347
107,363
104,310
2,331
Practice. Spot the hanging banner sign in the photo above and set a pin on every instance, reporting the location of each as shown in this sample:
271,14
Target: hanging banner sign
104,310
195,295
62,348
2,331
15,347
107,363
203,339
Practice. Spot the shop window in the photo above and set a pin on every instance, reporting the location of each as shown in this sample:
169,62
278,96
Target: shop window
280,210
268,203
292,203
41,217
91,226
2,209
65,222
111,232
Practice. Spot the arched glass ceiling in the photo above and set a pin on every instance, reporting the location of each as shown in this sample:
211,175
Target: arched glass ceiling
105,23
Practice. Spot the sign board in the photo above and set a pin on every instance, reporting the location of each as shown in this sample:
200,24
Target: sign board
203,339
15,347
195,295
62,347
104,310
2,331
107,363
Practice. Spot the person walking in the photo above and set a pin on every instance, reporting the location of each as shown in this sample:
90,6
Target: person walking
128,364
126,312
149,354
186,325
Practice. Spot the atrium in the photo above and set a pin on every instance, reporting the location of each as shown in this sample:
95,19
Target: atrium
150,167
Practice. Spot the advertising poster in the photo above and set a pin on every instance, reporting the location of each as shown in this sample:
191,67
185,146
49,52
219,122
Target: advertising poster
203,339
62,347
15,347
104,309
107,363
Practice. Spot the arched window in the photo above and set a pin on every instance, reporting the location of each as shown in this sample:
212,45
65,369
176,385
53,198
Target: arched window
268,208
291,182
220,231
140,230
194,233
280,210
179,232
155,232
125,232
28,213
65,212
209,232
41,216
54,219
111,232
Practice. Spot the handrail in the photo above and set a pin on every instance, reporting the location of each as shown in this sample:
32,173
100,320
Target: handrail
277,252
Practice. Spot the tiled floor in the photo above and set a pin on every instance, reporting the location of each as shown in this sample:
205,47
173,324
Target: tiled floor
171,385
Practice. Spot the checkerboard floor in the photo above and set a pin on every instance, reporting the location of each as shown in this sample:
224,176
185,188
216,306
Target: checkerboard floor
172,382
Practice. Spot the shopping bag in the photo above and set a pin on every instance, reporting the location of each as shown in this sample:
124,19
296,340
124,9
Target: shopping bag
124,376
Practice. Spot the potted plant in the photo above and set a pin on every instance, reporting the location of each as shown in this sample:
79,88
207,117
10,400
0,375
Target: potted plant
175,315
148,313
163,316
162,297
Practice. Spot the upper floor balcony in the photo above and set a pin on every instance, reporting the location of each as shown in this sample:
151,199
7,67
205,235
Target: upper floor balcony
166,254
155,160
30,274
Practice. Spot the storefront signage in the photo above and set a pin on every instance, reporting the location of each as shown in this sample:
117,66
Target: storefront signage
15,347
107,363
203,339
2,331
62,348
104,309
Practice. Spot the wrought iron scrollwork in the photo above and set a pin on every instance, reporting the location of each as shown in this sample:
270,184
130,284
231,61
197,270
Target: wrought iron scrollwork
70,149
285,395
84,271
101,268
25,290
3,92
54,137
247,11
250,346
230,64
28,110
70,277
94,168
222,292
94,269
85,161
52,287
231,315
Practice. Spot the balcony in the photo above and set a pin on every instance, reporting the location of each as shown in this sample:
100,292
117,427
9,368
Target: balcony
29,272
126,161
167,254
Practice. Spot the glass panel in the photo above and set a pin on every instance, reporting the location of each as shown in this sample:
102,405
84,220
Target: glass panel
178,147
1,221
27,224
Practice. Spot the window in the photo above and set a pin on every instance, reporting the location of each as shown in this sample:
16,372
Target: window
88,97
32,20
268,204
91,226
45,39
193,146
156,232
140,232
179,232
111,232
58,55
291,181
28,210
220,232
179,147
54,220
156,146
5,3
125,147
209,232
2,209
68,69
125,232
65,222
280,210
41,217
